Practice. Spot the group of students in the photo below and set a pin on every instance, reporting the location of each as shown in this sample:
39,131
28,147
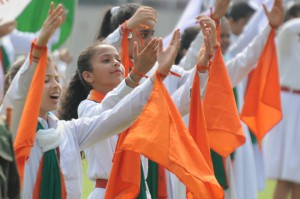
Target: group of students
109,91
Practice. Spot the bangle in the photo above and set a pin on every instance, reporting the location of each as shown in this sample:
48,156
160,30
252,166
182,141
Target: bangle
137,72
161,74
199,68
40,48
130,79
35,57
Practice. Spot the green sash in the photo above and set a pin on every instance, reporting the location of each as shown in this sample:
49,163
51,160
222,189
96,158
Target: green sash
152,178
5,60
51,179
142,194
219,169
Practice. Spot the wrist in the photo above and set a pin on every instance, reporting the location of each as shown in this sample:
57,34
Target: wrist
131,82
135,77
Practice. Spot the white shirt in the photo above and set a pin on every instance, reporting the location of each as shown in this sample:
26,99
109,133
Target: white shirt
288,48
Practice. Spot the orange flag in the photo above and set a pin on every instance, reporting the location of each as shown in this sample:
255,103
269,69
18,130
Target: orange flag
125,176
223,123
197,124
160,134
29,120
262,107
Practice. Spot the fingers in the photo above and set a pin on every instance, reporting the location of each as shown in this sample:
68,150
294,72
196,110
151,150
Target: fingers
57,15
177,39
159,46
135,49
176,36
266,9
151,47
51,8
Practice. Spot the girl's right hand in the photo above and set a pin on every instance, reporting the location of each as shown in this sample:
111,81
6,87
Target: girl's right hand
51,23
144,15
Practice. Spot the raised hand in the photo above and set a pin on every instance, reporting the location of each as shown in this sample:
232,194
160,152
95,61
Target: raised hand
166,58
144,15
51,23
221,7
207,23
205,51
7,28
145,59
276,15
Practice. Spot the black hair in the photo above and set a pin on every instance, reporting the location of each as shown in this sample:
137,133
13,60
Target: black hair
188,35
292,12
78,89
240,10
111,22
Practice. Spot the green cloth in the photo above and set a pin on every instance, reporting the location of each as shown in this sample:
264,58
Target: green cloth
142,194
51,178
219,169
32,18
5,60
152,178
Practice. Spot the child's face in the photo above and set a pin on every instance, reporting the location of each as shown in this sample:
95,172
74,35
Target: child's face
142,35
108,71
52,90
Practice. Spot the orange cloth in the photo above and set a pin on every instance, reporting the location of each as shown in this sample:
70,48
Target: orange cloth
125,176
95,96
29,120
197,126
125,50
160,134
262,107
162,191
223,123
197,123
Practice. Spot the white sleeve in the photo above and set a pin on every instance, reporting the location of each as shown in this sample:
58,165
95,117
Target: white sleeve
17,92
182,96
245,61
288,34
250,31
21,41
89,131
114,38
111,99
190,59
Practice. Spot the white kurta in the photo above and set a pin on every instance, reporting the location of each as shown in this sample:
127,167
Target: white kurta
282,144
77,134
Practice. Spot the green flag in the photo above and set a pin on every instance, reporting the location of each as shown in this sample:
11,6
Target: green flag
32,18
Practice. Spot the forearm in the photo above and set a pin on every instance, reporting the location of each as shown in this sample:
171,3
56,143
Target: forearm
240,66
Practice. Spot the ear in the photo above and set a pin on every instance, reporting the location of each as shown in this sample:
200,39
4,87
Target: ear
88,77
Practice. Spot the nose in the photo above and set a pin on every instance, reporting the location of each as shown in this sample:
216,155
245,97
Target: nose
55,84
117,63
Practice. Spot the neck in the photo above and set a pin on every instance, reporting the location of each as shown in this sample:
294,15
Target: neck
43,115
103,90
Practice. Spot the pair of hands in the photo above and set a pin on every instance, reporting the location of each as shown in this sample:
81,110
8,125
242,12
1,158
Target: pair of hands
145,60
